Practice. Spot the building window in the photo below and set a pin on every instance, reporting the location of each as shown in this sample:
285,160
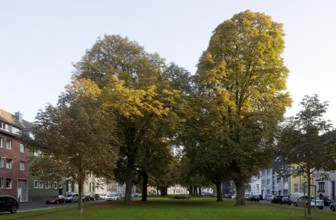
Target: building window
296,187
2,162
22,148
1,142
321,187
91,187
8,183
55,185
35,184
41,185
22,165
1,183
268,182
47,185
3,126
9,144
8,163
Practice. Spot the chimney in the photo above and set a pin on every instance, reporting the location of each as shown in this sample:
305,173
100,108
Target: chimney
19,116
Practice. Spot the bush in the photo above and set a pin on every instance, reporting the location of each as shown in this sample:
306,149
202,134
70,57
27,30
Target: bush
180,197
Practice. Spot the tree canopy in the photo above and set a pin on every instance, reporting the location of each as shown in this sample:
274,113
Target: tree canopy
241,83
71,136
136,92
305,140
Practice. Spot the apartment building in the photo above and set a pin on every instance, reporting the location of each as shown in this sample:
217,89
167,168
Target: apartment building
14,170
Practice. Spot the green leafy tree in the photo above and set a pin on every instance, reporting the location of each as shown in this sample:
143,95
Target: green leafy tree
305,141
241,83
72,135
133,90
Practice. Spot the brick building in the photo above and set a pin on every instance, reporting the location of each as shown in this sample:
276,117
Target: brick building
13,156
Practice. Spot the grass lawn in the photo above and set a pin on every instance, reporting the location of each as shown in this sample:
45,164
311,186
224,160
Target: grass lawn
171,209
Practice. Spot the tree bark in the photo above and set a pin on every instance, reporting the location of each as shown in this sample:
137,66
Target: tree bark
80,198
219,191
200,191
240,200
164,190
309,192
144,186
190,190
129,183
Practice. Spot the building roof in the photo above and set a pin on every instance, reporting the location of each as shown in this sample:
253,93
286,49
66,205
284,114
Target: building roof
13,120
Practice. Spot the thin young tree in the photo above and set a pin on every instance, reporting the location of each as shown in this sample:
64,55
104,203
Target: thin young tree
304,141
76,138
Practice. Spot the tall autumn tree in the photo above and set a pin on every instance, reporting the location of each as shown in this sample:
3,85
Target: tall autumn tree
72,135
305,141
134,90
241,83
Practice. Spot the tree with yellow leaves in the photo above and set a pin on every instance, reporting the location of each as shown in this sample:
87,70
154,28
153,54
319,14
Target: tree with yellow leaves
241,81
135,91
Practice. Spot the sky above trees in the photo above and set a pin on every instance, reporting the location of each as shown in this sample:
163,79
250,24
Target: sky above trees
40,40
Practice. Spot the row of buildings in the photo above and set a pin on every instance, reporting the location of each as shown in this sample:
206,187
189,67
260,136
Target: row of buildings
15,178
271,182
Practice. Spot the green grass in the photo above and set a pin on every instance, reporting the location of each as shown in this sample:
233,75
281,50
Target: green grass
172,209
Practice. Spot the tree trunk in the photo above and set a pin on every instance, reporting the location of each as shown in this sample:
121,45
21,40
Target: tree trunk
219,191
80,197
200,191
129,183
190,190
240,200
144,186
309,192
164,190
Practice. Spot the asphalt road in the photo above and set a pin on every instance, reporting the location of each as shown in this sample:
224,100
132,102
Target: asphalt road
27,206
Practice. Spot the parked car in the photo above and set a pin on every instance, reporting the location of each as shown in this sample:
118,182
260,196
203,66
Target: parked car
295,196
112,196
227,196
255,198
327,202
8,204
56,199
301,201
333,206
102,196
136,195
71,197
87,198
269,197
281,200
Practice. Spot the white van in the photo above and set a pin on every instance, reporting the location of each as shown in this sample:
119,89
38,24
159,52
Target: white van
295,196
71,197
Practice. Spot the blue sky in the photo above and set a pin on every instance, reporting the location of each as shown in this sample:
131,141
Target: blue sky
40,41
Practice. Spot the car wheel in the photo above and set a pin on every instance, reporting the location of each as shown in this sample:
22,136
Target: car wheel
13,209
321,207
57,202
332,208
